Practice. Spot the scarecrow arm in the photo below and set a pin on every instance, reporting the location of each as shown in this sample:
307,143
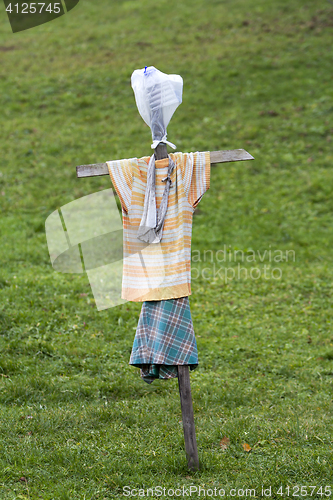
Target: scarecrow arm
229,155
226,156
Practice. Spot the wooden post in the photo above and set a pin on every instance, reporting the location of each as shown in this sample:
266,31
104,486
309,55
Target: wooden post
191,449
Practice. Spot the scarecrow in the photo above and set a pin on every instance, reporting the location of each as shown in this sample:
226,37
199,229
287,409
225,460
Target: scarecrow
158,198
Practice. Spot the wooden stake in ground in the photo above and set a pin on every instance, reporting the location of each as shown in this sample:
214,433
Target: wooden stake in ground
183,371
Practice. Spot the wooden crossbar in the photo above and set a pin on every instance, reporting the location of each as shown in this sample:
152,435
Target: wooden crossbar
226,156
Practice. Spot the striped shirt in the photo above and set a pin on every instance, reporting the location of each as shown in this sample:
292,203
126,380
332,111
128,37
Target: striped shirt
159,271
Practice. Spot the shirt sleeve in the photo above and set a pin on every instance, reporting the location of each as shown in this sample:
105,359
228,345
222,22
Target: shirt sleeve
200,177
121,173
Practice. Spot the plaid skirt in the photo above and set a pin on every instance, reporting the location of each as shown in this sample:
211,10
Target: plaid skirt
164,339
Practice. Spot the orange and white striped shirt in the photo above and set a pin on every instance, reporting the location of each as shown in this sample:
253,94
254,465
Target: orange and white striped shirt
159,271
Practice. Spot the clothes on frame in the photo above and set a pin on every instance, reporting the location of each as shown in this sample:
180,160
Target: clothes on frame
159,271
159,274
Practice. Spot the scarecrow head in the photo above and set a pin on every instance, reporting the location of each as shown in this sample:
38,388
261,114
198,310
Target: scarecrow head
157,97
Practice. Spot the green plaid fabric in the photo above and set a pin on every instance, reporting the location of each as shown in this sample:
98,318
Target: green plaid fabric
164,339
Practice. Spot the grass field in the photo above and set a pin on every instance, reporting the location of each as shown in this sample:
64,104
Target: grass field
76,421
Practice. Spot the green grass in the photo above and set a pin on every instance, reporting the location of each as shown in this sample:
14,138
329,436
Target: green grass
76,422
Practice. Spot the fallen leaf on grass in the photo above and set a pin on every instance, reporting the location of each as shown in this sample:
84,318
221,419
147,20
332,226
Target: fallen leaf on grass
224,443
23,479
247,447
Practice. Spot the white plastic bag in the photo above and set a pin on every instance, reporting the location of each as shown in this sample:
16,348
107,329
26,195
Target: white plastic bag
157,97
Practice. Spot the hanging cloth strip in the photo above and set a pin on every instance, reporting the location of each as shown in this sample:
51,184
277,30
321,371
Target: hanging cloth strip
152,221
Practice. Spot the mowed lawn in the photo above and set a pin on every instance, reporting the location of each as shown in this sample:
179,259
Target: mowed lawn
76,421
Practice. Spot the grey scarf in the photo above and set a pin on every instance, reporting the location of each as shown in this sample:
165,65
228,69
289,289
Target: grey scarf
152,221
